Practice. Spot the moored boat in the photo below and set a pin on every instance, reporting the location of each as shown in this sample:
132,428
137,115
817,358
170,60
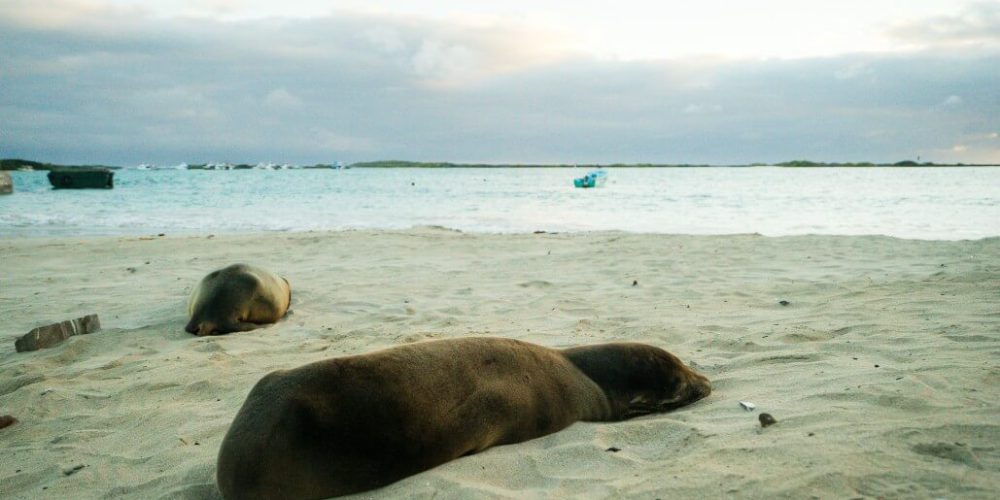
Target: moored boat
594,178
82,178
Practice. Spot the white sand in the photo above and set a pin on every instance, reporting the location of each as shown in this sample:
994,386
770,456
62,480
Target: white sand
882,371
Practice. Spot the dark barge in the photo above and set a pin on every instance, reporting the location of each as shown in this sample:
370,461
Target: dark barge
82,178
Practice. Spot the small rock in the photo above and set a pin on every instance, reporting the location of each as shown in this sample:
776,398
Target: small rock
50,335
766,419
613,449
784,302
635,282
7,421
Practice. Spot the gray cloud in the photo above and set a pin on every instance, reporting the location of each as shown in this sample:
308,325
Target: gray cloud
119,87
978,24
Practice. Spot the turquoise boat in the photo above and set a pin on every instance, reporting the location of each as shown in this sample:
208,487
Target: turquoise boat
594,178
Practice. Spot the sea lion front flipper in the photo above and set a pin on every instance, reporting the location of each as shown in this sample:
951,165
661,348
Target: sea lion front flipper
243,326
205,329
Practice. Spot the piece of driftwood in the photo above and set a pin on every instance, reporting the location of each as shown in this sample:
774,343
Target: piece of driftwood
50,335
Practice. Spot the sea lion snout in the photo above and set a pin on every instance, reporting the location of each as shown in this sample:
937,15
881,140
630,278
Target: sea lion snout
692,386
198,327
688,386
698,386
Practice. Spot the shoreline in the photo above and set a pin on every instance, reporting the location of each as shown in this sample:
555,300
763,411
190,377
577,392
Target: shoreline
880,370
148,235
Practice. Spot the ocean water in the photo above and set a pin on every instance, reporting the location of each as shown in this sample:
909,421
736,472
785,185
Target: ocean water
921,203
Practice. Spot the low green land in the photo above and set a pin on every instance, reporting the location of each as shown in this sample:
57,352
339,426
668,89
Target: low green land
16,164
904,163
794,163
421,164
19,164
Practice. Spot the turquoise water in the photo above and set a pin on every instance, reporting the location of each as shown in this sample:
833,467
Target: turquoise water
924,203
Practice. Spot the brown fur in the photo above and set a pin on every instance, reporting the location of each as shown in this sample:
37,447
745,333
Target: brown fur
355,423
237,298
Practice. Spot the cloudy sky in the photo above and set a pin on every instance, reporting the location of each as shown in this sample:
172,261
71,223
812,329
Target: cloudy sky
298,81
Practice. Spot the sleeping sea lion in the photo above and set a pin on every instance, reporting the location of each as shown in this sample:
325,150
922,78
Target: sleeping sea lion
355,423
237,298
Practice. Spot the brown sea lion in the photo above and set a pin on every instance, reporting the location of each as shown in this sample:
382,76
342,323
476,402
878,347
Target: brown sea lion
355,423
237,298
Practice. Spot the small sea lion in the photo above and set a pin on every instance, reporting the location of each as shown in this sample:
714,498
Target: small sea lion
356,423
237,298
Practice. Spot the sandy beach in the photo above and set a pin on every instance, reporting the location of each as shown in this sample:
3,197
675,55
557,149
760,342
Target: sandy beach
881,369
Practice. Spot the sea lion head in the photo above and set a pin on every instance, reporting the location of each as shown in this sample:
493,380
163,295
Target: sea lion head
662,382
639,379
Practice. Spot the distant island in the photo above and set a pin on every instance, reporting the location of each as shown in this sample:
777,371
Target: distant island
19,164
793,163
